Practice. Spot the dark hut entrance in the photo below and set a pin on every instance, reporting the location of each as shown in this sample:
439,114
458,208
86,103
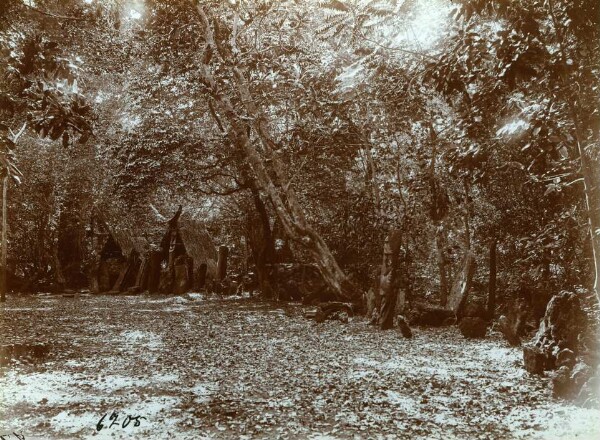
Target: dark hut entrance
111,264
115,272
177,268
187,255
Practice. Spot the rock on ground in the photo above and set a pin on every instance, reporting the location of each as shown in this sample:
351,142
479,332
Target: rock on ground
472,327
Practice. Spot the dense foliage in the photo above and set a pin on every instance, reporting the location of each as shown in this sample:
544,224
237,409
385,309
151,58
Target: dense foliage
461,131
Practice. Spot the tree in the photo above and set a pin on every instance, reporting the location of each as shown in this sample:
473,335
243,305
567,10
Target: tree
38,85
8,171
269,176
549,93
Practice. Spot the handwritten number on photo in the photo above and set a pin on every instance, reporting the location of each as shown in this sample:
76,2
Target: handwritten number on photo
114,419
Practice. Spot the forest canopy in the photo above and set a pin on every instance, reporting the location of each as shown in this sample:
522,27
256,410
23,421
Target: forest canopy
305,132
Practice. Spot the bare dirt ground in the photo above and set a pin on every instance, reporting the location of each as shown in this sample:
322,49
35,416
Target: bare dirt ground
198,368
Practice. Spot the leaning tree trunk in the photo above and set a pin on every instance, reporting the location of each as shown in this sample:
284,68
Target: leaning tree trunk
268,172
462,285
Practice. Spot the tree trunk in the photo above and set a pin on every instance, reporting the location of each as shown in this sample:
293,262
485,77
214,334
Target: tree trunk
98,241
467,218
268,171
589,167
41,259
462,284
390,279
222,263
371,177
58,270
260,239
70,241
3,271
591,183
201,277
491,299
442,262
372,305
438,211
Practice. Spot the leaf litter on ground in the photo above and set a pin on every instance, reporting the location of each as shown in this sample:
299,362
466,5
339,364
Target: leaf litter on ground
198,367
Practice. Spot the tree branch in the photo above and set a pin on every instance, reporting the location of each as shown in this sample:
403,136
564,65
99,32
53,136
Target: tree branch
15,137
57,16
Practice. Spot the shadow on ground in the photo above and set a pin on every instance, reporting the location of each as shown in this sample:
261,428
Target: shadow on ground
194,368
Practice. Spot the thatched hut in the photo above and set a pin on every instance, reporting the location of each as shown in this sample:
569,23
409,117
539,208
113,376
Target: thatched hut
151,253
200,246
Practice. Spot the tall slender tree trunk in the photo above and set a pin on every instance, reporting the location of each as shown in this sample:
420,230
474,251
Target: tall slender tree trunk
3,271
371,178
589,167
491,300
591,192
467,218
442,262
59,275
222,262
438,211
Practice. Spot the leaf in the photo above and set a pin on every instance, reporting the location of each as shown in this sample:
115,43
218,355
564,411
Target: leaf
337,5
55,132
84,137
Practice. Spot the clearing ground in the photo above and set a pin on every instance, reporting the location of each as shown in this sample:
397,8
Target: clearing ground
212,368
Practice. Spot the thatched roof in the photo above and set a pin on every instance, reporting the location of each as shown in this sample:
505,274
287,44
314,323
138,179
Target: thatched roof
142,230
198,242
